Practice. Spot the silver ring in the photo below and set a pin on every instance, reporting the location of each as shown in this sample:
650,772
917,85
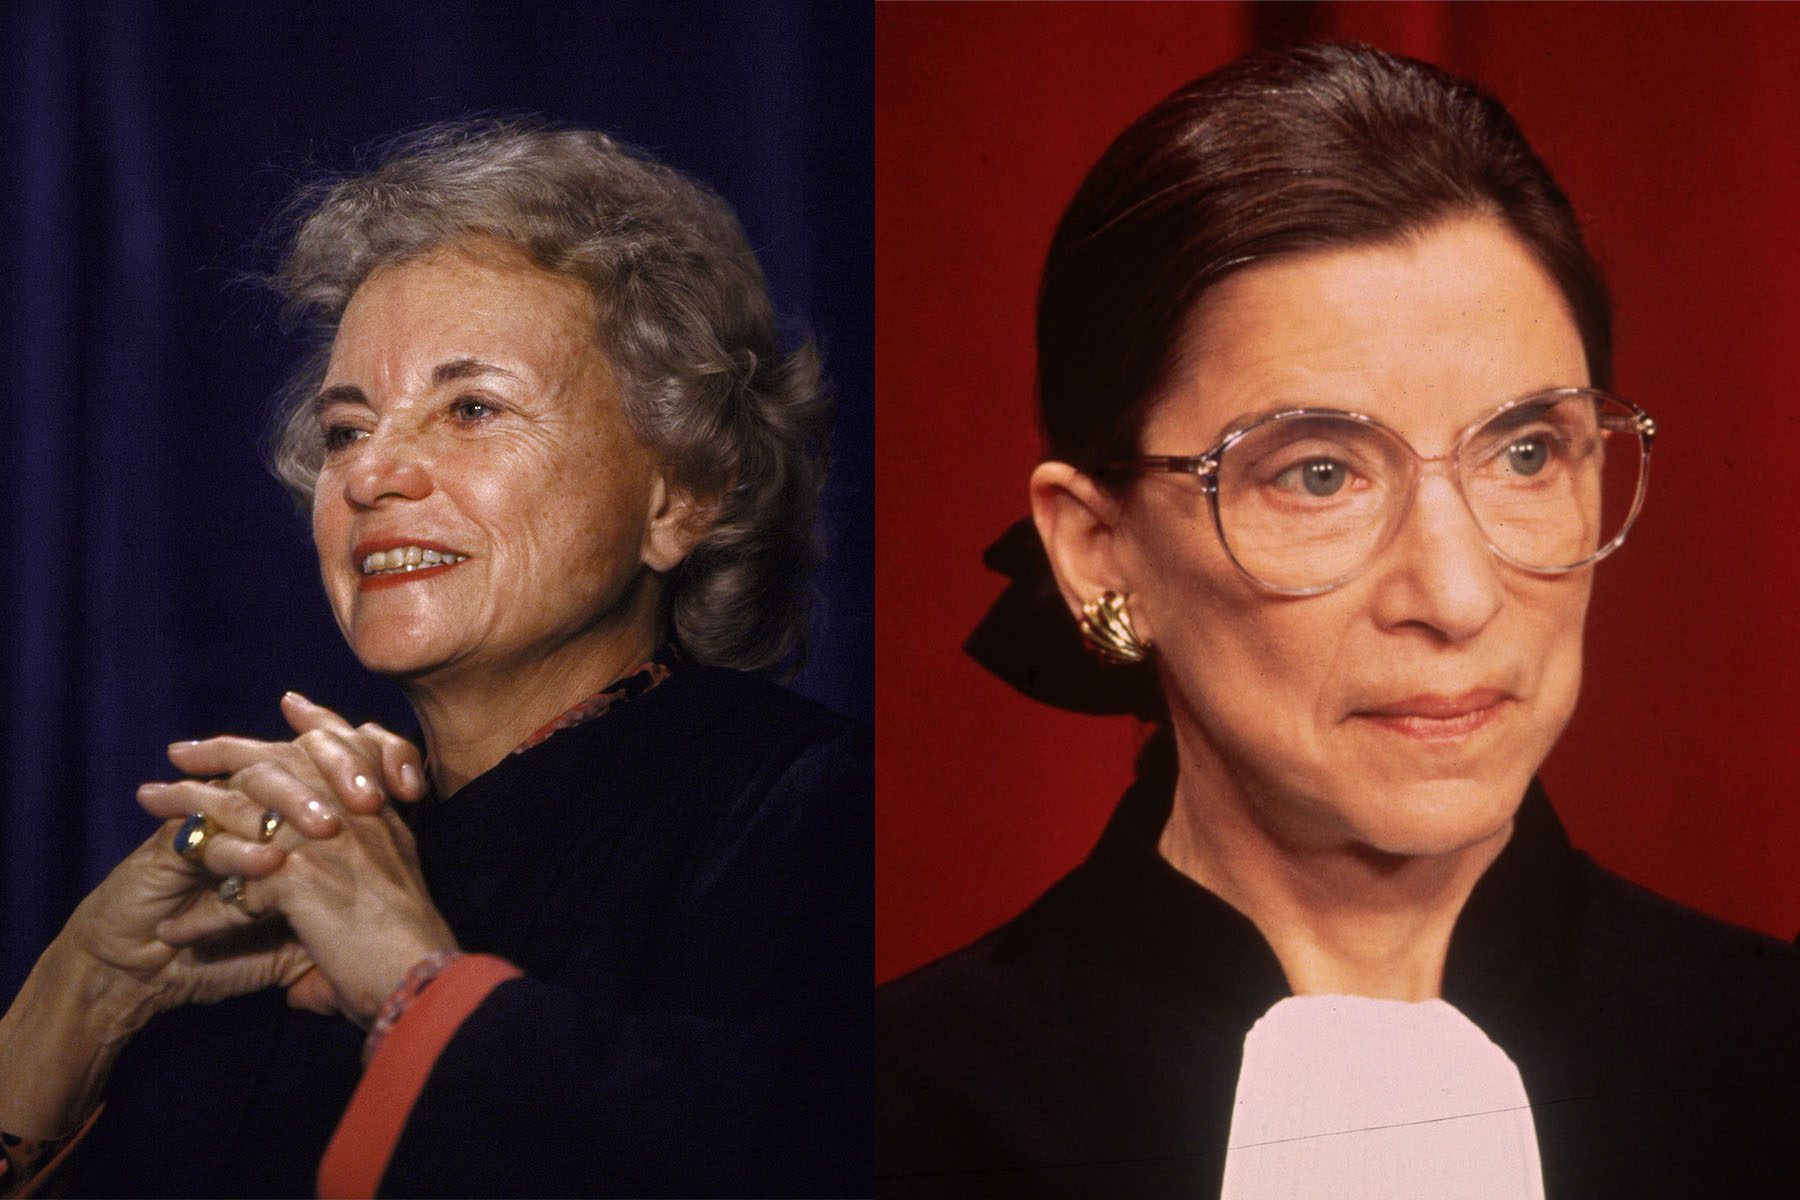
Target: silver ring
190,839
266,830
231,891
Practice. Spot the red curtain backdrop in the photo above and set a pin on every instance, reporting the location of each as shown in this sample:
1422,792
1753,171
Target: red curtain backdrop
1675,129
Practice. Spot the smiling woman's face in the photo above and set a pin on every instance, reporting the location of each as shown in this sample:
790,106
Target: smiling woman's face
469,416
1405,711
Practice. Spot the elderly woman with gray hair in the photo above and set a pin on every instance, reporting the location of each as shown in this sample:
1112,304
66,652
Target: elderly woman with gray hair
613,936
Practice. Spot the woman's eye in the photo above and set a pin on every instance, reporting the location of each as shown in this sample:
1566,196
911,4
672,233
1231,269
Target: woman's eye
336,437
471,409
1319,477
1527,455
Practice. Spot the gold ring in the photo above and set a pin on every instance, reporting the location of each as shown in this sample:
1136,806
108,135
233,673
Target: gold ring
191,837
271,822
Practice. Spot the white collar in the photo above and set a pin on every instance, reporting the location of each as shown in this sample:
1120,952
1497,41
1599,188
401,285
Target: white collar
1348,1097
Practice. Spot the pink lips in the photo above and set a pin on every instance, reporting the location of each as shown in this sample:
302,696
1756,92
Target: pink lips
1438,718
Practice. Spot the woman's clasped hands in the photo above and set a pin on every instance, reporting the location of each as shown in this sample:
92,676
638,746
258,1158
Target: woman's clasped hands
306,877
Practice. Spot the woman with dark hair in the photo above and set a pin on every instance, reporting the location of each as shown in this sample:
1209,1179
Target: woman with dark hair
1323,362
562,479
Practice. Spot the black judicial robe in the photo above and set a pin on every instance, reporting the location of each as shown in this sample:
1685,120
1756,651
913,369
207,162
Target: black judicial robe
1091,1046
686,883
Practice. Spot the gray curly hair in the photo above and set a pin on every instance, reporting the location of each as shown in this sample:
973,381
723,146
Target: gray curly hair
685,320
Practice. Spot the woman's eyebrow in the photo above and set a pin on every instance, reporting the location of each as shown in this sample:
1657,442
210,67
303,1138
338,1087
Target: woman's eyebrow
468,368
445,372
340,393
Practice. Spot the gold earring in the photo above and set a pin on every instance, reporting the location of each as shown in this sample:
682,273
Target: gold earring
1106,628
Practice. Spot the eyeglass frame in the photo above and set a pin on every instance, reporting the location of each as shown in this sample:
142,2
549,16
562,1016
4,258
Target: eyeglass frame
1205,467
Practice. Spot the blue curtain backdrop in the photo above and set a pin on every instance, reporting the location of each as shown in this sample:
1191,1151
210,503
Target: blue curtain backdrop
159,584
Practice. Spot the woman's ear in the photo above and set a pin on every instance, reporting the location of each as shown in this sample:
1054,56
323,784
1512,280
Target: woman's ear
1078,521
679,518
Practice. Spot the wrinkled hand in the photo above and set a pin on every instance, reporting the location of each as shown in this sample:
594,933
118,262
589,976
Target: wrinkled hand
116,925
111,969
356,902
115,928
107,973
342,869
329,767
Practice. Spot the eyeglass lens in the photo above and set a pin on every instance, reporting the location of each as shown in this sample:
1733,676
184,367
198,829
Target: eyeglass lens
1308,500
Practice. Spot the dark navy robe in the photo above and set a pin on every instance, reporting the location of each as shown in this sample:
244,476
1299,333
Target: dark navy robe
686,884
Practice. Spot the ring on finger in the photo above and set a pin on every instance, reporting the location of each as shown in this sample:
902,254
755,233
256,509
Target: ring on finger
231,891
266,829
191,837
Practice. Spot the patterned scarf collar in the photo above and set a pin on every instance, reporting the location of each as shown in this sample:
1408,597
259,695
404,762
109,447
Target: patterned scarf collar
630,686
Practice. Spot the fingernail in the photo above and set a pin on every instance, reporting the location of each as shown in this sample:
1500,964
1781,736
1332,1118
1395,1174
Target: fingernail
318,811
183,745
409,778
362,784
295,696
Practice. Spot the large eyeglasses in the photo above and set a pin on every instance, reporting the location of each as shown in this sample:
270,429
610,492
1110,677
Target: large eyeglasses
1304,500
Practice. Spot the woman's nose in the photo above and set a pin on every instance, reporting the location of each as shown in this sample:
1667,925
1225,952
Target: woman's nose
1439,573
386,466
